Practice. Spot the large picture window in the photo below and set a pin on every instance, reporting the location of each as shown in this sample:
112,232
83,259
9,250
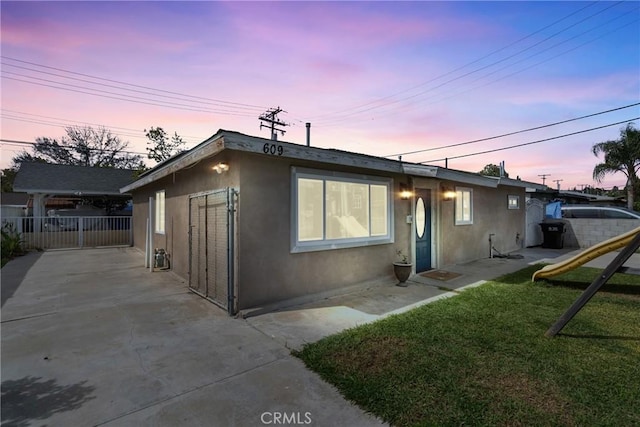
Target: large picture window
336,210
464,206
159,212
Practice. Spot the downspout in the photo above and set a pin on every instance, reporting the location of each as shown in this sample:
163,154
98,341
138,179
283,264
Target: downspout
151,230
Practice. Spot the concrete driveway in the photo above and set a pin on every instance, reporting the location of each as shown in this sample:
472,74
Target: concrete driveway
91,338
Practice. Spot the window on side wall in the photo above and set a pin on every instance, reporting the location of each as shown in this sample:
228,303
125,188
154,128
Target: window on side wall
159,212
514,202
464,206
338,210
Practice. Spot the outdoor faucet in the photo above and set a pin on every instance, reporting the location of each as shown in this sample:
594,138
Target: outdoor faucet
491,244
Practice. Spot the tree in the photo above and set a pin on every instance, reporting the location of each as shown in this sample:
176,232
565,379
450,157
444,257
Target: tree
621,155
492,170
159,147
83,146
8,176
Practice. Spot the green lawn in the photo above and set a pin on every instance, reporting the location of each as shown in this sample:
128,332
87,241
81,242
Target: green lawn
481,358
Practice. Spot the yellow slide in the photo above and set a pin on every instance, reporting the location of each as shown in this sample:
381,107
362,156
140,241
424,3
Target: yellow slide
587,255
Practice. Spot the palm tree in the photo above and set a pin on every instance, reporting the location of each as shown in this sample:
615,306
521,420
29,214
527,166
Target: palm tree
621,155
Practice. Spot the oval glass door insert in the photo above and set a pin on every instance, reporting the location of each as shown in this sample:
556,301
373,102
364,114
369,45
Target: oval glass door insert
421,218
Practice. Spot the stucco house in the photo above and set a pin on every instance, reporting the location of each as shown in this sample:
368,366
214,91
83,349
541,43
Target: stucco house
249,221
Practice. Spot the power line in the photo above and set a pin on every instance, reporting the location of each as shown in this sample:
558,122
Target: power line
17,142
512,133
359,111
253,107
134,133
454,94
530,143
119,96
183,99
401,108
456,69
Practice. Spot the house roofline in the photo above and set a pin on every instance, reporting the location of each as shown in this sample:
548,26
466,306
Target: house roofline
71,192
230,140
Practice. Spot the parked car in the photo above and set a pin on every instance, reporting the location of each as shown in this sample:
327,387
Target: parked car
602,212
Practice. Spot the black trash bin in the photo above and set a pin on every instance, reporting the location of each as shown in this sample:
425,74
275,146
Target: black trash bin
553,233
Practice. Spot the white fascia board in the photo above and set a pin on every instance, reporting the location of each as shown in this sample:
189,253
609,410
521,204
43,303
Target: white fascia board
466,178
206,149
520,183
68,192
240,142
420,170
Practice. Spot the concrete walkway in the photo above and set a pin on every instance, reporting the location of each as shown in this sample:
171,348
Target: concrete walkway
296,325
91,338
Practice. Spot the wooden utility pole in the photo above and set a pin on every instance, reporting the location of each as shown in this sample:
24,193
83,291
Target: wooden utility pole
558,181
271,118
544,177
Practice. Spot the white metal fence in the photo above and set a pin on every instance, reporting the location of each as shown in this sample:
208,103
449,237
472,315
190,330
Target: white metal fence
59,232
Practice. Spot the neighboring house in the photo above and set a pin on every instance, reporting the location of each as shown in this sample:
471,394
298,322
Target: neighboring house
251,221
43,181
13,204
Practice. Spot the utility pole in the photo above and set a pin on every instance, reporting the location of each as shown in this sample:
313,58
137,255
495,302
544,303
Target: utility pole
558,181
271,118
544,177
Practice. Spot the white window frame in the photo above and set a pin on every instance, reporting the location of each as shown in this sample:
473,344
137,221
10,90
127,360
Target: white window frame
160,212
460,200
513,202
329,244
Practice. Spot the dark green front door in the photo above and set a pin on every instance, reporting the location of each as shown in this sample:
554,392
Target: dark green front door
422,230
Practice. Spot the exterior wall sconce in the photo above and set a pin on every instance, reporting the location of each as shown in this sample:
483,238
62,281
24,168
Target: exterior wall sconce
221,167
448,194
405,193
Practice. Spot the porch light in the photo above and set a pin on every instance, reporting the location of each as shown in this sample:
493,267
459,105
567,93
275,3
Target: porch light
221,167
405,193
448,194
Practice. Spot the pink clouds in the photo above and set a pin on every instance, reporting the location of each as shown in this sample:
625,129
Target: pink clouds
375,77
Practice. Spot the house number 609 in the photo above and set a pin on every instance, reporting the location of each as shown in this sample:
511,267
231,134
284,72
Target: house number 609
273,149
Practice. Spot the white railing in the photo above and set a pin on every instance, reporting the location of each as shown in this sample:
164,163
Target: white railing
59,232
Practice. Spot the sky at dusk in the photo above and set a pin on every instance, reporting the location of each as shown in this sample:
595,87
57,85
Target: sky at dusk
379,78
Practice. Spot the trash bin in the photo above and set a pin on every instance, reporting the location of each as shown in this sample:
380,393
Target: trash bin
553,233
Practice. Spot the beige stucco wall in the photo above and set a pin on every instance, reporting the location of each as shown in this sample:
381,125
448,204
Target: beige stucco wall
267,271
177,188
461,243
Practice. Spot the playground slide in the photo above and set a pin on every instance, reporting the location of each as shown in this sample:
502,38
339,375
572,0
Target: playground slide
587,255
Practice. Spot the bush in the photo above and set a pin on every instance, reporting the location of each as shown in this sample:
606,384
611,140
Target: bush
11,242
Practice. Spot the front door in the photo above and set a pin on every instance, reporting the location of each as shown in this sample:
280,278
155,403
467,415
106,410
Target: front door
423,230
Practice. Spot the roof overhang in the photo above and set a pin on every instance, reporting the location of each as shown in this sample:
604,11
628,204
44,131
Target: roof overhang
228,140
518,183
71,192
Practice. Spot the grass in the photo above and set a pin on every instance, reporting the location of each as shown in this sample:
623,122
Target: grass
481,358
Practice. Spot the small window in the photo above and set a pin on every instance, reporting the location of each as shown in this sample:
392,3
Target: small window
514,202
159,212
464,206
